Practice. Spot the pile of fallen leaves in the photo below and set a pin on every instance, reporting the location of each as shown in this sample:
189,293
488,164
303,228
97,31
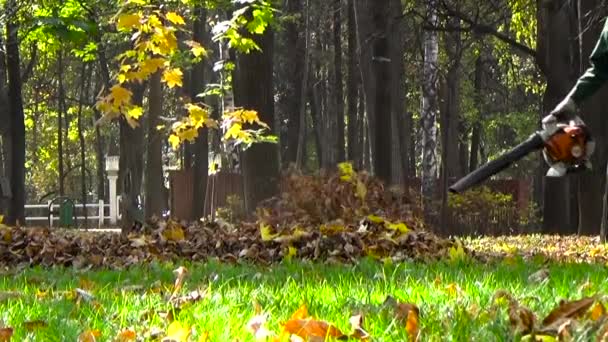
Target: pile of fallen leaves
339,217
562,248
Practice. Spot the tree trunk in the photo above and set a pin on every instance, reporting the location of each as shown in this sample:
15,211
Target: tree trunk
401,126
60,114
294,73
383,100
591,184
83,166
131,167
429,109
451,121
301,143
554,57
338,80
374,29
253,89
201,145
17,207
476,131
352,86
154,161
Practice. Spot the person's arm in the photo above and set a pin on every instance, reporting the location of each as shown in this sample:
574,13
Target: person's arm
596,75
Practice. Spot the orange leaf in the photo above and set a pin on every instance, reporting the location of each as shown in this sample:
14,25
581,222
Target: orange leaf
411,325
301,313
311,328
598,311
6,334
89,336
126,335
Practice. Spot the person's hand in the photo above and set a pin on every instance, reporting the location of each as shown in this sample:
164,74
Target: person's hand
564,114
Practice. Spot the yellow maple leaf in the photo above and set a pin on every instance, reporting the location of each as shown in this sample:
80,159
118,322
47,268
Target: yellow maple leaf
197,113
120,95
249,116
188,134
265,233
154,21
135,112
128,21
175,18
178,332
174,141
233,131
173,77
400,226
149,66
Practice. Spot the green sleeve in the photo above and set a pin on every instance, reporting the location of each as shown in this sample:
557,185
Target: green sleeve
597,74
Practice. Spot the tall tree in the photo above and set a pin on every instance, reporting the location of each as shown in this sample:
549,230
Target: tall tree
556,31
338,80
373,27
295,50
352,86
131,166
253,89
154,198
429,106
13,66
201,144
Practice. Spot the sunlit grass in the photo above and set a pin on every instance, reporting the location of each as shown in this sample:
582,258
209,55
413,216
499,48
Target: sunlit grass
451,297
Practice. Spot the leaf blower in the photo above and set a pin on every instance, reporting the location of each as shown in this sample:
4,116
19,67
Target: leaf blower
566,148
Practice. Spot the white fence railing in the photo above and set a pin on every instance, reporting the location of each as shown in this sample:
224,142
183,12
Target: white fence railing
98,214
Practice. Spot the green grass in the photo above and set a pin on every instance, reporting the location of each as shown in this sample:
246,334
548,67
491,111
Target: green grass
331,292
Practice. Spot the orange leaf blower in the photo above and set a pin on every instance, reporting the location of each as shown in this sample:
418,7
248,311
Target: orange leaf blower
565,151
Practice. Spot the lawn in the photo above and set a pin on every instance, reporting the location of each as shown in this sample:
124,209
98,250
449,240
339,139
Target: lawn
454,298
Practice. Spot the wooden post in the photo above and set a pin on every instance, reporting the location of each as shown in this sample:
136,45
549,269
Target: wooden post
101,214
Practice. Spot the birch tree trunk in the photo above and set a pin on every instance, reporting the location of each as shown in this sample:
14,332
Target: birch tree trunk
429,108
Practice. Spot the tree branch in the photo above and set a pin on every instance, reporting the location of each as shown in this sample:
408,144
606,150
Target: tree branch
27,72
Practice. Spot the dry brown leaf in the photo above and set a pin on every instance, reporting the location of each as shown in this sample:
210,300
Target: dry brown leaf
257,327
89,336
126,336
539,276
33,325
8,295
521,318
356,323
5,334
180,275
566,310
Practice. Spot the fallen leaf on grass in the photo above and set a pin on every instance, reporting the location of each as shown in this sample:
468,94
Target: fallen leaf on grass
408,314
177,332
180,275
7,295
6,334
126,336
356,322
521,318
565,310
412,326
539,276
311,329
33,325
89,336
189,298
598,311
257,327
